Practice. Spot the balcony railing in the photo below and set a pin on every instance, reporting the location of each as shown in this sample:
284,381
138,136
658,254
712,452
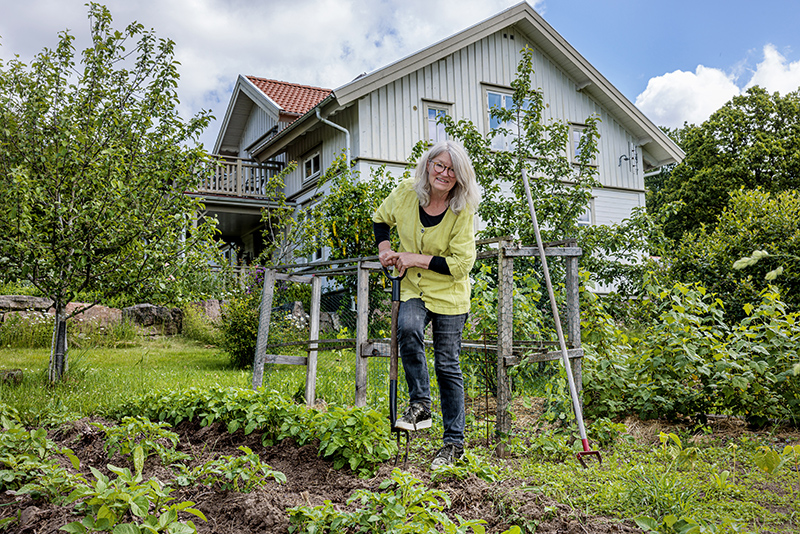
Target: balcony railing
237,177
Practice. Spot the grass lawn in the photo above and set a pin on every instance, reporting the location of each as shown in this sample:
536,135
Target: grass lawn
102,377
715,478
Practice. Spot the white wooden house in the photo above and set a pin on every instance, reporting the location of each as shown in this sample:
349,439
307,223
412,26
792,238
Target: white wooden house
378,117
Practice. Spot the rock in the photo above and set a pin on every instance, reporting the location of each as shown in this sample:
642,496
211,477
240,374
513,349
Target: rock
211,308
97,314
11,376
329,322
161,320
24,302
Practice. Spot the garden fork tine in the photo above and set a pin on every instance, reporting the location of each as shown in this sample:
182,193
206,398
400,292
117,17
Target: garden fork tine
576,403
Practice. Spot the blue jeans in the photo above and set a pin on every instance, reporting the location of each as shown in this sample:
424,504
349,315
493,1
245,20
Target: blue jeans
413,317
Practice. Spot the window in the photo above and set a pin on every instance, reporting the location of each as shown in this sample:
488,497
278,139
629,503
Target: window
432,112
575,136
587,217
496,99
311,167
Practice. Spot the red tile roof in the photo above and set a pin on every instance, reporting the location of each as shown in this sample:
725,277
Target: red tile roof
291,97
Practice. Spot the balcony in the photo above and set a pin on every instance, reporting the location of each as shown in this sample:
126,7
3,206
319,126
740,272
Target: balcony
236,177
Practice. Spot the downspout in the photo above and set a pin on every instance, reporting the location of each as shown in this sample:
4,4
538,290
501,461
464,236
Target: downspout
341,129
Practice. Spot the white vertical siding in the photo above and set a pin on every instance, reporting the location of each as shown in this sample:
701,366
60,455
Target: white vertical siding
391,119
258,122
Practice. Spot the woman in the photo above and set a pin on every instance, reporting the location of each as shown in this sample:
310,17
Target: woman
434,216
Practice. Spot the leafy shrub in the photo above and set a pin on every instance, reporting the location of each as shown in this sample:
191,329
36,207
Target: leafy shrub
198,327
468,464
138,431
239,328
690,362
28,463
124,504
753,220
352,437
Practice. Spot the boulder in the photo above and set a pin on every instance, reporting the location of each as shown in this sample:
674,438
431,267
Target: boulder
97,315
158,319
11,376
211,308
24,302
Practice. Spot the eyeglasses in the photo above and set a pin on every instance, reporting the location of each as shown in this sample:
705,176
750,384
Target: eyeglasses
441,168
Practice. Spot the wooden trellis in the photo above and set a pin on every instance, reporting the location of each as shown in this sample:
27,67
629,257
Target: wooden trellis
510,352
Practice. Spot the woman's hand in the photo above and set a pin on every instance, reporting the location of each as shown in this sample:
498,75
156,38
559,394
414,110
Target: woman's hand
406,260
387,257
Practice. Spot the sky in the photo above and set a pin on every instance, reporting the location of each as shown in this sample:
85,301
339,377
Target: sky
678,61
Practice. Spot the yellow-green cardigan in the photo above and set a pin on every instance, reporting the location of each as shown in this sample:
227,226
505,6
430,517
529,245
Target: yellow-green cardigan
453,239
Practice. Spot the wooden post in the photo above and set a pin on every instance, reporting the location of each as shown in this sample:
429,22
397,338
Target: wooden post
311,364
263,327
571,286
505,341
239,177
362,325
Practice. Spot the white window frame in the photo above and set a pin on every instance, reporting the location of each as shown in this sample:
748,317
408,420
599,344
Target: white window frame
499,142
575,134
315,172
439,108
583,220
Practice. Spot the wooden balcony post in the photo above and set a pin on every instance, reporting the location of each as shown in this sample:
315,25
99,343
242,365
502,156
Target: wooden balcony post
239,179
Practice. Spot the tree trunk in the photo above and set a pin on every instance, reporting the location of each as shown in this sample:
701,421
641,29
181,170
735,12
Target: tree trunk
58,354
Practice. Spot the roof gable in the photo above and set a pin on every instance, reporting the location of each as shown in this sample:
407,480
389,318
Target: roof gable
291,97
551,43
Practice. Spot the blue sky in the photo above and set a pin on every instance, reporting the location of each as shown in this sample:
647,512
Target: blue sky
677,61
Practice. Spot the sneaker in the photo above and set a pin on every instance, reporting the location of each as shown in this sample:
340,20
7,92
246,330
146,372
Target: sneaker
447,455
416,417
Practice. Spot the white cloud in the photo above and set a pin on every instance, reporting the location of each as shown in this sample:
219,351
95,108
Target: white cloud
680,96
326,43
775,73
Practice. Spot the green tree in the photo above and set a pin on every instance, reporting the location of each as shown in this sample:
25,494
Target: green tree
753,220
561,188
94,163
752,141
342,220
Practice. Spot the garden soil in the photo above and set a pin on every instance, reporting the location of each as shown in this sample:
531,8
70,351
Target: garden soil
311,480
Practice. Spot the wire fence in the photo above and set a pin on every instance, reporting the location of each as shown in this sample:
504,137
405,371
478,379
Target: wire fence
336,355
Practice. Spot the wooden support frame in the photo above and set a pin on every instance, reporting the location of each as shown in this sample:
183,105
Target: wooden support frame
508,355
264,317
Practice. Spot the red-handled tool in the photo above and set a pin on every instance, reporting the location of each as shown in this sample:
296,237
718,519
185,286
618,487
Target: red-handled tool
576,404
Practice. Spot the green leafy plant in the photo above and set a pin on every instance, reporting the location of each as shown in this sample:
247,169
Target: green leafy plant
407,507
469,464
28,463
238,473
153,438
128,505
354,437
